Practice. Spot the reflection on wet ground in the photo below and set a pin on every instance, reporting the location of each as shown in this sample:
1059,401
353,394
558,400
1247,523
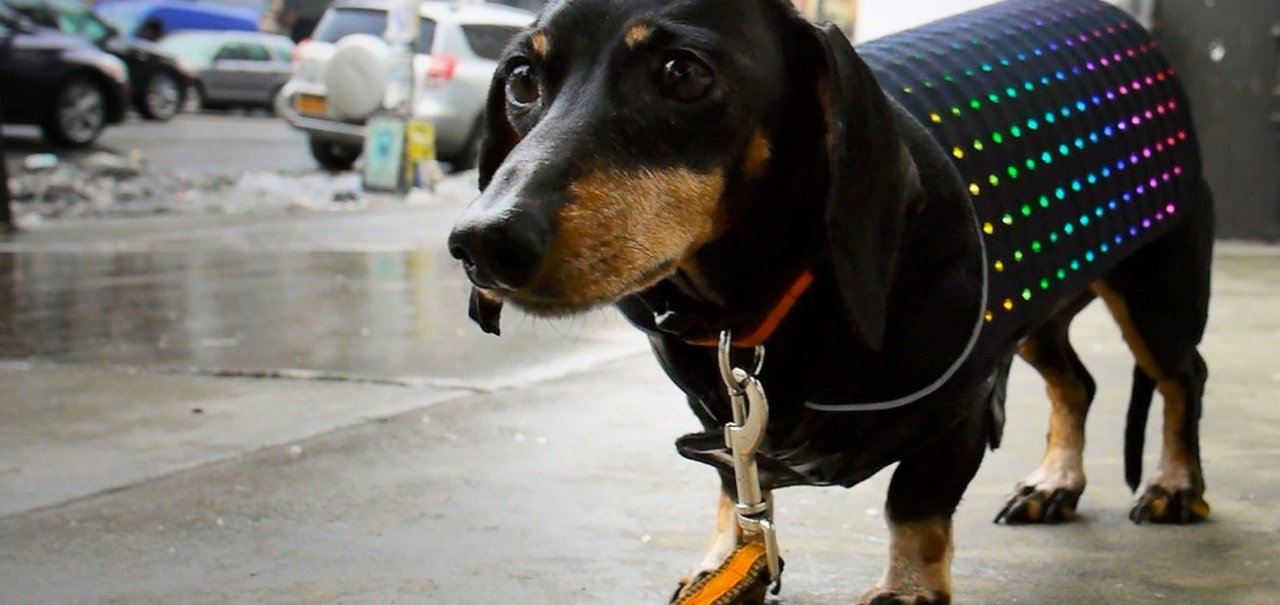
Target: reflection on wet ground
244,300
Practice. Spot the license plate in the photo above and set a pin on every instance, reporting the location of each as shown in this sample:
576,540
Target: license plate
312,104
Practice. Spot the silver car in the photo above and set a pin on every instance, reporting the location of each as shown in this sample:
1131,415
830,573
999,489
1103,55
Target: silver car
338,81
232,69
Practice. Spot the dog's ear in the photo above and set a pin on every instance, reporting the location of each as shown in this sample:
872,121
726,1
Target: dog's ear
872,181
498,137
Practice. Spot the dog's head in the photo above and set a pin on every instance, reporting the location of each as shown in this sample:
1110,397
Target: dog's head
623,136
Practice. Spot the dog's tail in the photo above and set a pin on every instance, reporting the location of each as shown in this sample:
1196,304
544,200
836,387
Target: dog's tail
1135,428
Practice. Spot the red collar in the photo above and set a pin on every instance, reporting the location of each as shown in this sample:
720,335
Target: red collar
770,323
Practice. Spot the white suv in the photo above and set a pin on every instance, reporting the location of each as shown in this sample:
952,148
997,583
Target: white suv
341,71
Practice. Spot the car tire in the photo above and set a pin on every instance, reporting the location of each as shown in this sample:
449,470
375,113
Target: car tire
78,115
193,101
276,104
161,96
334,156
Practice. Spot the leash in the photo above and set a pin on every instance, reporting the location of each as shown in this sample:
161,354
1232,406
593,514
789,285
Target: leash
756,564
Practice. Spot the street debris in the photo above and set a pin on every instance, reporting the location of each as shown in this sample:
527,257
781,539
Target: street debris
47,186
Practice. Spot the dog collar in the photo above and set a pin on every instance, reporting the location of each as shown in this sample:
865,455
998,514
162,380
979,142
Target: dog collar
767,326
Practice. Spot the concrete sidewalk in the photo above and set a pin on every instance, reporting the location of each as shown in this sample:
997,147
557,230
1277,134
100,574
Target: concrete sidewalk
568,490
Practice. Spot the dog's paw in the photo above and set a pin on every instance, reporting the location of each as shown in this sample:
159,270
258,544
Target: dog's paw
884,596
1168,504
1049,495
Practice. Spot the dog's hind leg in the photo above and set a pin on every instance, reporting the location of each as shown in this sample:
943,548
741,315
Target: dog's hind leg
1160,298
923,495
1051,493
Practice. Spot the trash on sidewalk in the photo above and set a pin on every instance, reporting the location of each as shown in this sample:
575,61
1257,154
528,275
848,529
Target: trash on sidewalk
109,184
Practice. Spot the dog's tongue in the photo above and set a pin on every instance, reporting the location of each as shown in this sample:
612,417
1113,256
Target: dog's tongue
486,310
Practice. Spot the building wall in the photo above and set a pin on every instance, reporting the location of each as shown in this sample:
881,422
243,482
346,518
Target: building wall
843,13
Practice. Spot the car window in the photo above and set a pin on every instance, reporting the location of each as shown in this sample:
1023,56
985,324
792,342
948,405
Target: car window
488,41
282,53
339,23
33,10
426,35
77,20
256,52
232,51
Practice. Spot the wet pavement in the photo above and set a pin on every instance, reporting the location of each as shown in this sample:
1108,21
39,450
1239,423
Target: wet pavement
293,408
189,143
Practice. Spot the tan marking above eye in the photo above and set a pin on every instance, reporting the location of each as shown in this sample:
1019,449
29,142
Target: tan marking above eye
541,44
638,34
758,154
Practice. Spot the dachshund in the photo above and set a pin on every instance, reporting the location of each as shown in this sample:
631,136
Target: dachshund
895,223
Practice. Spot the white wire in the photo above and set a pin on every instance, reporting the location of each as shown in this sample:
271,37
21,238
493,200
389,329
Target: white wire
933,387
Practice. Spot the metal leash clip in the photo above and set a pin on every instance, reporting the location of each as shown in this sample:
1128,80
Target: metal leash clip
743,437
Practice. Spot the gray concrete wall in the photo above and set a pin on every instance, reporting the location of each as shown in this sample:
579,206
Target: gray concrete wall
1228,52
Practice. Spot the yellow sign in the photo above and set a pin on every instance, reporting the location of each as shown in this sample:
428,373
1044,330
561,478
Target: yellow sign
422,141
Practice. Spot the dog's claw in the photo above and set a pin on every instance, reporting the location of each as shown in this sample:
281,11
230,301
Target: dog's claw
1029,505
1159,505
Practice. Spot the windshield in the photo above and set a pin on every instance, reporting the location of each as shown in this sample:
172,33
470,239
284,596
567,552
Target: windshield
342,22
76,20
488,41
339,23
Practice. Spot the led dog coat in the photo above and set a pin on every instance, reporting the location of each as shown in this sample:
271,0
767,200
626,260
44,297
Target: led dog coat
1073,139
1065,123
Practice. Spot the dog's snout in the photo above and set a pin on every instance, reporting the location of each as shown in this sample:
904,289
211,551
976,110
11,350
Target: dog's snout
501,251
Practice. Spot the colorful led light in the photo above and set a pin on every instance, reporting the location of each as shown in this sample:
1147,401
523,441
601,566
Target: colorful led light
1092,95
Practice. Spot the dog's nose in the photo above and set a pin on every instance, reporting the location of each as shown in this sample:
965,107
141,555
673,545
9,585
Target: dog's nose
502,251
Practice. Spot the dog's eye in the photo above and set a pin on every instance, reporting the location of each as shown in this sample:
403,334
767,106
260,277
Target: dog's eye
684,78
522,86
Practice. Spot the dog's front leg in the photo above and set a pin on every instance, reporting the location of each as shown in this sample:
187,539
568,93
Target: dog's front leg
724,540
924,493
919,569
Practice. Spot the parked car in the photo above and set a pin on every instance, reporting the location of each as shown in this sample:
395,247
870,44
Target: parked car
232,69
157,83
134,16
69,88
457,53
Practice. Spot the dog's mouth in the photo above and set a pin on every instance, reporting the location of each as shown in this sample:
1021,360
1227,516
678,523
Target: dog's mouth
556,298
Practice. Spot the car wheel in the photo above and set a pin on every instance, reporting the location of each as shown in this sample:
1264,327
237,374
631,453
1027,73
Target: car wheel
334,156
276,103
161,96
78,115
193,101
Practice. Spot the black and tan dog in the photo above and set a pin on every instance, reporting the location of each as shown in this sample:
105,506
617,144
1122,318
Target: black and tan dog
695,162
